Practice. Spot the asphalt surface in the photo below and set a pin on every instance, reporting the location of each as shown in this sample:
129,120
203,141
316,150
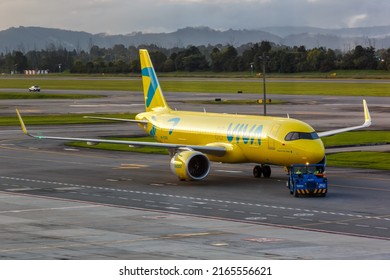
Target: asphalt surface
115,205
63,203
321,112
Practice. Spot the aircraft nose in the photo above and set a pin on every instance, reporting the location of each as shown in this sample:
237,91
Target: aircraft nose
317,152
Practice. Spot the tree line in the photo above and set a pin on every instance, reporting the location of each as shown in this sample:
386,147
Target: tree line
219,58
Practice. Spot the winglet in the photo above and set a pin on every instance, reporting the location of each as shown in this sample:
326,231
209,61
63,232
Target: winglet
367,117
367,123
24,129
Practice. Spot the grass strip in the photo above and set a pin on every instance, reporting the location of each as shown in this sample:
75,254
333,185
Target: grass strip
123,148
357,138
61,119
212,86
20,95
369,160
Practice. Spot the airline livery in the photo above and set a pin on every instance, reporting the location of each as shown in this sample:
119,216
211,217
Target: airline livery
196,138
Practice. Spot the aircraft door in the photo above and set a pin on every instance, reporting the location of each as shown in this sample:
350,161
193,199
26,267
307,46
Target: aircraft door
272,136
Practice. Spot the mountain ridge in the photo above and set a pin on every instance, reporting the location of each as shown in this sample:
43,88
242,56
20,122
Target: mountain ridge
37,38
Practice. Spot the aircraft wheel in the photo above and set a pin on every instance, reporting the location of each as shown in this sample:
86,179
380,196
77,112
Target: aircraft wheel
288,185
295,193
257,171
266,171
323,195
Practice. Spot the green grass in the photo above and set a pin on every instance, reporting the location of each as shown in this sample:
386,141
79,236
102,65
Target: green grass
21,95
73,83
370,160
234,102
344,74
357,138
209,86
296,88
60,119
121,147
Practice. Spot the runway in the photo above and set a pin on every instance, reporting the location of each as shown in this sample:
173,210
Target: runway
58,202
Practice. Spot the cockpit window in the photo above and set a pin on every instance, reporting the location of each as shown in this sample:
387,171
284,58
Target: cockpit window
301,135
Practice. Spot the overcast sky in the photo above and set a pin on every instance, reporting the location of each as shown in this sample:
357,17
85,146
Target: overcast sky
126,16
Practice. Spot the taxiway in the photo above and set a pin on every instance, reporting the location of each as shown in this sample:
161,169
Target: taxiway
58,202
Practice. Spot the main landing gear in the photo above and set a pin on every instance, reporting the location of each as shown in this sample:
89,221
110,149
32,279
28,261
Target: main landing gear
264,170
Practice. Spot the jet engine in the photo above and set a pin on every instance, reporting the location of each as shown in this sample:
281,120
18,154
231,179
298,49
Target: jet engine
190,165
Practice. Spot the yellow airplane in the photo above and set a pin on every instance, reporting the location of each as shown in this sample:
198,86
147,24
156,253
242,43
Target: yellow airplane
196,138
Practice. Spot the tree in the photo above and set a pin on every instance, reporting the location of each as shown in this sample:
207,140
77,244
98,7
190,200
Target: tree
315,58
158,59
190,59
225,60
216,60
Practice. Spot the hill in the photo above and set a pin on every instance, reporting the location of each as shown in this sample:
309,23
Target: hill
38,38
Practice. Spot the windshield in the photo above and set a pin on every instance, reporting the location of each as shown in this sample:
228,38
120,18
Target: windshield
301,135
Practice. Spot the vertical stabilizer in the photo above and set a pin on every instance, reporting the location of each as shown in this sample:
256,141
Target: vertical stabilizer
153,95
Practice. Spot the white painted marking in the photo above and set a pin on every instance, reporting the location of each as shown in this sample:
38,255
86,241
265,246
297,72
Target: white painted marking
384,228
256,218
67,188
199,199
20,189
49,209
303,214
228,171
112,180
172,208
165,203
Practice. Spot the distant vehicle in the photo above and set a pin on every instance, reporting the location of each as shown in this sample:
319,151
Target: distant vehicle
34,89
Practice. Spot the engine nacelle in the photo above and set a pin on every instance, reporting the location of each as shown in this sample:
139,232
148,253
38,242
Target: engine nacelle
190,165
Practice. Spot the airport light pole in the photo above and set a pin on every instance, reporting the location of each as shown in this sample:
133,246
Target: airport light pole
264,58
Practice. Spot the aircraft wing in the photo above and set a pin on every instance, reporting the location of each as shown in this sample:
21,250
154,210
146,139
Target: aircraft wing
212,150
367,123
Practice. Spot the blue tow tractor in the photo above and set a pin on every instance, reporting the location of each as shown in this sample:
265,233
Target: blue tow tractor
307,179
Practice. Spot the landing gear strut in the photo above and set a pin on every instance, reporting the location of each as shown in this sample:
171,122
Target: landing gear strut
264,170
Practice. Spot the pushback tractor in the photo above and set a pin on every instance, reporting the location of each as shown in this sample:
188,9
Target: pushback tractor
307,179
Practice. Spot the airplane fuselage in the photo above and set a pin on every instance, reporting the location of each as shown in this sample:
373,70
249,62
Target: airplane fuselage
247,138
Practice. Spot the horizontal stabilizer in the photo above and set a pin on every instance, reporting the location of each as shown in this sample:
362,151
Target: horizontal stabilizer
116,119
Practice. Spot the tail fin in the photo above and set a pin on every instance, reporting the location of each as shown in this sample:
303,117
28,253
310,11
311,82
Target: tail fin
153,95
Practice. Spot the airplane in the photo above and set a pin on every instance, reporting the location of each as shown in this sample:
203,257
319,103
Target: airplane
193,139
